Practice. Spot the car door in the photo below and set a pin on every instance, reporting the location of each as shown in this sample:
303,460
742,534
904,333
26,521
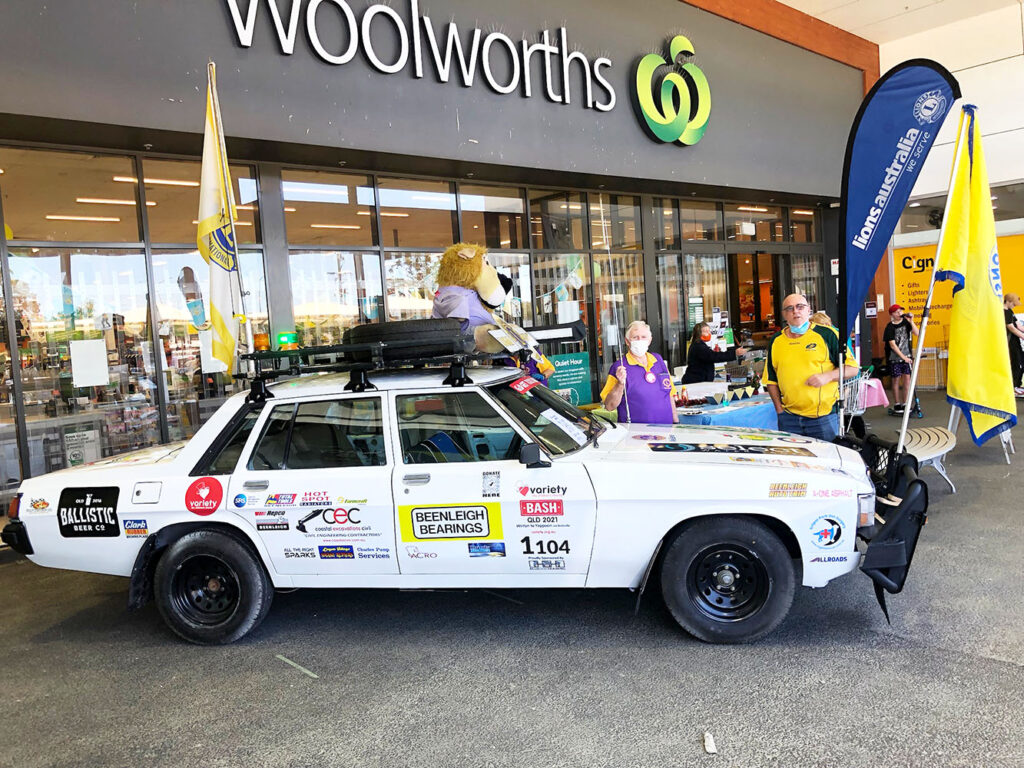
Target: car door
464,503
317,486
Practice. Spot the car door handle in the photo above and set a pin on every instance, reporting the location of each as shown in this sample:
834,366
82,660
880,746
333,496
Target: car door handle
416,479
256,485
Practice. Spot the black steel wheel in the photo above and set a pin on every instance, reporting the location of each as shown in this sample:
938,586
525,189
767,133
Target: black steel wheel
728,579
210,588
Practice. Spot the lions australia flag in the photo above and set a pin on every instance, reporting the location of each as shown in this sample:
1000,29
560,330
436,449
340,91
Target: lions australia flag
889,141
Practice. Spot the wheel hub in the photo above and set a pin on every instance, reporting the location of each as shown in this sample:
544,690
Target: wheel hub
728,582
206,590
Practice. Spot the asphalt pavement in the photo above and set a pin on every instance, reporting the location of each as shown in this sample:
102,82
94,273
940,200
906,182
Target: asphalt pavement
545,678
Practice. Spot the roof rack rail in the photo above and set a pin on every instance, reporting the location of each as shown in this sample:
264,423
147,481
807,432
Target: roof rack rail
362,358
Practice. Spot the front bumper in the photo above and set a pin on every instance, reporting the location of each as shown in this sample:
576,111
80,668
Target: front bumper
15,535
891,545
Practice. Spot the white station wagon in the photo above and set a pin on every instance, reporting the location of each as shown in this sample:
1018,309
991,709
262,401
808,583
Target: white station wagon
432,478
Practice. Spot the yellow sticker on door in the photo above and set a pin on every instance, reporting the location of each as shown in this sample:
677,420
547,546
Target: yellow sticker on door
450,522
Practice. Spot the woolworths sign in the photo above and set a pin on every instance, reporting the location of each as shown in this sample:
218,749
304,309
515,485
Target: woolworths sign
671,96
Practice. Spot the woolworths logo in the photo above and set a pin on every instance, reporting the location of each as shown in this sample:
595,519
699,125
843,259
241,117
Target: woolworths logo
677,107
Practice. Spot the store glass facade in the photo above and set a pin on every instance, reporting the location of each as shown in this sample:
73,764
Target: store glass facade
105,364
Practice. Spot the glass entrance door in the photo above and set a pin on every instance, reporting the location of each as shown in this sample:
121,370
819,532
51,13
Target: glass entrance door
753,279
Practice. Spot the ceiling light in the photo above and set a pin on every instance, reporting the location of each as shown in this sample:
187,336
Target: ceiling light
237,223
914,205
799,212
398,215
54,217
506,242
245,207
335,226
109,201
289,210
752,208
598,242
1,170
164,182
994,197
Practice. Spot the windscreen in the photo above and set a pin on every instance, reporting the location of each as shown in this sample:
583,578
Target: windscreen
556,425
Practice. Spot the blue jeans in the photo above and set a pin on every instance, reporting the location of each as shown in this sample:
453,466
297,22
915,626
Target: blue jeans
824,427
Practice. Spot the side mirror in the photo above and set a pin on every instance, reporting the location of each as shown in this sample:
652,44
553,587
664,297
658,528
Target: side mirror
530,455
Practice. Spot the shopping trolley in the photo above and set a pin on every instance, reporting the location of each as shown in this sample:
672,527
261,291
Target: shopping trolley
854,403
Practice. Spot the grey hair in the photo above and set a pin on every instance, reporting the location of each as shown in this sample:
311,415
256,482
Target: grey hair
636,324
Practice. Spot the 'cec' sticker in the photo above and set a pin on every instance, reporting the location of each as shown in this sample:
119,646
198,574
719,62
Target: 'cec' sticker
88,512
464,522
204,496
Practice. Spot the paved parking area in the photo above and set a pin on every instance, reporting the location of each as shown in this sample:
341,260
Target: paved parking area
544,678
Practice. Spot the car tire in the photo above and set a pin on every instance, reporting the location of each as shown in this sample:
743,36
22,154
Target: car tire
434,337
210,588
728,579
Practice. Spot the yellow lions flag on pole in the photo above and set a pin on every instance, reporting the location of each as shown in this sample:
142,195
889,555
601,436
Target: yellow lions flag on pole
980,383
216,238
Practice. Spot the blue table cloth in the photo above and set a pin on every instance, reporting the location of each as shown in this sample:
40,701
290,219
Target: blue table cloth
756,412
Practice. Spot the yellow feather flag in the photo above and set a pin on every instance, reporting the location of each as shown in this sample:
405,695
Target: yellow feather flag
980,383
216,237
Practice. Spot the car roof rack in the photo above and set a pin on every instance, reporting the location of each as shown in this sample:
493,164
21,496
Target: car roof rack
360,359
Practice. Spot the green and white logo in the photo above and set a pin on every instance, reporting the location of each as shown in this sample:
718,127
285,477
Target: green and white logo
678,108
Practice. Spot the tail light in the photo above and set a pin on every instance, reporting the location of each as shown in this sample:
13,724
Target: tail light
14,506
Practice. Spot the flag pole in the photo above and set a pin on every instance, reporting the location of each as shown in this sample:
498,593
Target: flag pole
925,313
211,71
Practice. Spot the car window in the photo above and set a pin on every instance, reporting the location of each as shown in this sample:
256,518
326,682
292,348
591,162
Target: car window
322,435
337,433
447,427
270,451
226,459
557,425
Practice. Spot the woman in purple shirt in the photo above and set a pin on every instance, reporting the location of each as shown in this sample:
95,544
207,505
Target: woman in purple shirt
639,385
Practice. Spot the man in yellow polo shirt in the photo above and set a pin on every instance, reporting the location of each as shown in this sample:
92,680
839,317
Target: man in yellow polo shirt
802,373
640,385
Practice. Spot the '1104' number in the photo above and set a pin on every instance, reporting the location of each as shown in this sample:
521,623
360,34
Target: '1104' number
543,546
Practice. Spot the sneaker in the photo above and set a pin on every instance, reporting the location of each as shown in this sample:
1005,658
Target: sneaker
1018,391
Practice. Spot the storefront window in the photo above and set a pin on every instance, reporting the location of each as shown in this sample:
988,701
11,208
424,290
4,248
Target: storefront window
801,225
72,196
196,386
618,300
753,223
809,279
706,290
666,223
10,469
557,220
172,201
561,294
417,213
323,208
673,308
411,280
86,359
700,221
493,216
614,222
333,291
519,303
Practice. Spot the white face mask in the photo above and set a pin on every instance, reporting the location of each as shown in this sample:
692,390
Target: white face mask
639,348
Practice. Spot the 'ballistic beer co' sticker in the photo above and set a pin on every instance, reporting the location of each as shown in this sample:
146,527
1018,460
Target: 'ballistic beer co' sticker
204,496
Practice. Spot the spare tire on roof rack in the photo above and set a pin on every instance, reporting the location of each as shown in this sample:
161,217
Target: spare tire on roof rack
410,339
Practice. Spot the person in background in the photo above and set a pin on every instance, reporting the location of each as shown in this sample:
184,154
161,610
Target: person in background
1013,336
820,318
701,358
639,385
897,340
801,373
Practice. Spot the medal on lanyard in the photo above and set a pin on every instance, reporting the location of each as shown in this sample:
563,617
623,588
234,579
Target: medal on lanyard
651,378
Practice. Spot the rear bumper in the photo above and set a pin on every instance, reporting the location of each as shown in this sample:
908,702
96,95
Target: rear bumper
15,535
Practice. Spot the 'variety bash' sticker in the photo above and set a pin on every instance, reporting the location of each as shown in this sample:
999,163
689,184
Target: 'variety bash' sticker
204,496
466,522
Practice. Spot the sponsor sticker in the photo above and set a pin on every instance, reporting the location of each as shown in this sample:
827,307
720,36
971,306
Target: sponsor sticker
415,553
826,532
451,522
204,496
281,526
39,505
338,516
337,552
547,563
832,493
491,484
486,548
88,512
546,507
299,552
787,490
524,385
136,528
280,500
373,553
315,499
542,490
777,450
830,559
240,500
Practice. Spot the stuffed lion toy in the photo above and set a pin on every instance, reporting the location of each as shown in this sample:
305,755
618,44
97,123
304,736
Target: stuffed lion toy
470,288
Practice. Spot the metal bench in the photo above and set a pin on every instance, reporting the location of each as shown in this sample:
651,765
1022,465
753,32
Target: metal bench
930,445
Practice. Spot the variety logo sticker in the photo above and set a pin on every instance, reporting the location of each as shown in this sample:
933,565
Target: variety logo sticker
543,490
204,496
